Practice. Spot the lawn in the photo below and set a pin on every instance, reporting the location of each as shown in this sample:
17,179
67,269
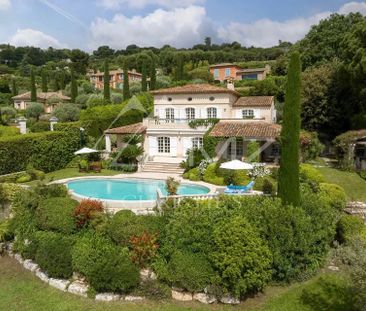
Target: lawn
74,172
351,182
21,290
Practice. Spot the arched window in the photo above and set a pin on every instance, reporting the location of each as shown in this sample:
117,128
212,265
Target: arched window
190,113
169,115
248,113
212,113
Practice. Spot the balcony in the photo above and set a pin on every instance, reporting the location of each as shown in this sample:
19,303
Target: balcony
181,124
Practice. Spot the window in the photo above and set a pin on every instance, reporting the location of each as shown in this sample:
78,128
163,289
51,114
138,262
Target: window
252,76
164,144
216,73
227,72
111,78
121,76
248,114
197,142
169,115
211,113
236,148
190,113
100,78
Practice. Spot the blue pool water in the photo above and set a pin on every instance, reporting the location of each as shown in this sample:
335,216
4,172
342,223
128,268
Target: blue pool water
127,189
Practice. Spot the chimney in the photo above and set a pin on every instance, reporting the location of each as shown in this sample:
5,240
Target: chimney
268,68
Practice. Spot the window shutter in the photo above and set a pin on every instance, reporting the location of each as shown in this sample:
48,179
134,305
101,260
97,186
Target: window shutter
173,146
153,146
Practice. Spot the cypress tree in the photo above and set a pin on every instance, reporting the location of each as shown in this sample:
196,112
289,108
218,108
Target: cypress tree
33,86
152,75
106,85
44,81
61,80
288,179
179,69
74,87
144,78
126,85
14,88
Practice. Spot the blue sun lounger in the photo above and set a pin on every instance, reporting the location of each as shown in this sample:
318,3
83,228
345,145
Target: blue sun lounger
239,189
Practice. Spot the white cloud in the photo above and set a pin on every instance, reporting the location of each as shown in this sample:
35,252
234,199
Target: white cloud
32,37
5,5
180,27
138,4
353,7
267,32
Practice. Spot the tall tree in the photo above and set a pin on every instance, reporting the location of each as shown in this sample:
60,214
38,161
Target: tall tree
74,87
152,75
33,86
126,84
61,80
144,78
179,69
106,83
288,179
44,80
14,87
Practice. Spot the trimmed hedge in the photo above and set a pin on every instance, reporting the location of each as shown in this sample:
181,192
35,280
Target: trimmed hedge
57,214
47,151
53,254
350,227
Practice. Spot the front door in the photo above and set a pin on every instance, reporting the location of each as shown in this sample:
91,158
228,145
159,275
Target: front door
164,145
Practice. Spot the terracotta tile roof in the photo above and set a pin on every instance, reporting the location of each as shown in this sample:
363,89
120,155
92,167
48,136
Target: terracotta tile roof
224,65
42,96
257,129
194,89
136,128
251,70
113,72
254,101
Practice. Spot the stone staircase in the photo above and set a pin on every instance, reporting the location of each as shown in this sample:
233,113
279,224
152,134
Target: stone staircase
162,167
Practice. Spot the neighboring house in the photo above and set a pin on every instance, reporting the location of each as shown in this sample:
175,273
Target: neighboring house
227,71
169,134
115,78
49,99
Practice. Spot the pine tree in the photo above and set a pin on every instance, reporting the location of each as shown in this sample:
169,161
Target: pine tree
106,81
14,87
33,86
152,75
74,87
144,78
126,85
288,179
44,81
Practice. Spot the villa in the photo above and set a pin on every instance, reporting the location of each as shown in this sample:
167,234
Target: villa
115,78
227,71
50,100
175,126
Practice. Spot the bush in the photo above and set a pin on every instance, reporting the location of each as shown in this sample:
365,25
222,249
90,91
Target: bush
328,293
268,186
153,289
34,110
193,174
48,151
67,112
211,177
333,195
241,258
56,214
309,174
143,248
24,178
349,227
86,210
310,146
53,254
190,271
171,186
51,191
40,126
106,267
35,174
123,225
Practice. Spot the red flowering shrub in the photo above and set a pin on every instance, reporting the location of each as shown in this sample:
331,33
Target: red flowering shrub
143,248
85,210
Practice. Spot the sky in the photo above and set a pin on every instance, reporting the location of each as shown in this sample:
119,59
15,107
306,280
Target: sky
87,24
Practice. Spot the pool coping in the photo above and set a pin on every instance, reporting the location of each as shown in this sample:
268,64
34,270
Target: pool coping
137,206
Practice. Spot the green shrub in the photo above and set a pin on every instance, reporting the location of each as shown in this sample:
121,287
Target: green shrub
51,191
211,177
241,258
56,214
123,225
9,191
193,174
190,271
329,293
106,267
253,152
309,174
154,289
349,227
268,186
333,195
24,178
53,254
5,232
240,177
48,151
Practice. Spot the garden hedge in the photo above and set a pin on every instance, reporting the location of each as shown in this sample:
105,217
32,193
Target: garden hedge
48,151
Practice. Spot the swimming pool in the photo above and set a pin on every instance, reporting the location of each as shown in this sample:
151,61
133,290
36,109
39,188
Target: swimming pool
127,189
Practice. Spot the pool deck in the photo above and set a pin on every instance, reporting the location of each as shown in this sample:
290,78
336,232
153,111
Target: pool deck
138,207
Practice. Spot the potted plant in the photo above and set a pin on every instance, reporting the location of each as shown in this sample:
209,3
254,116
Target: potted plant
171,186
